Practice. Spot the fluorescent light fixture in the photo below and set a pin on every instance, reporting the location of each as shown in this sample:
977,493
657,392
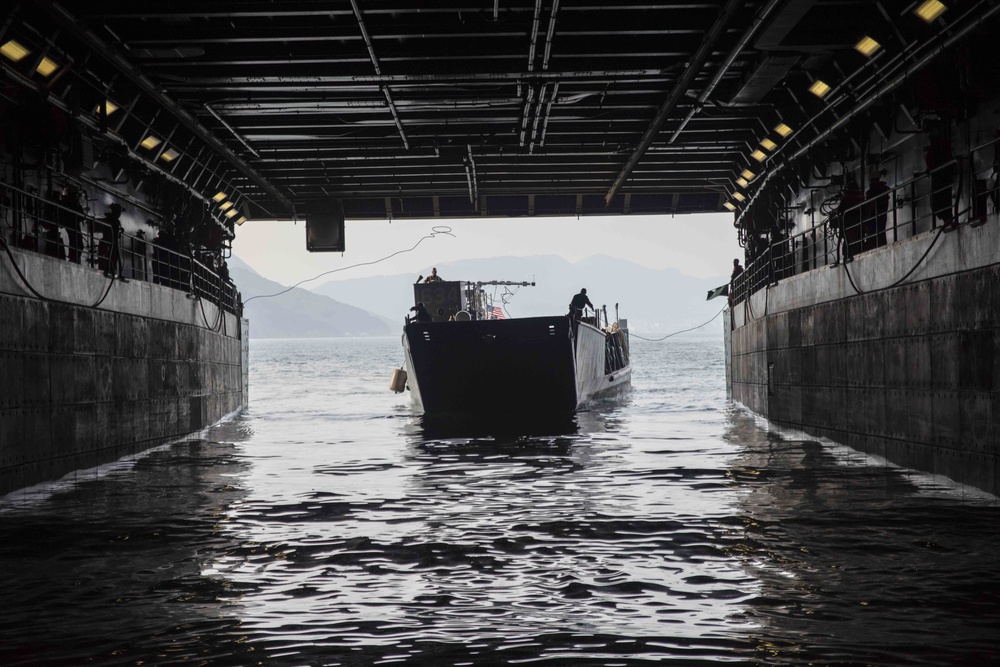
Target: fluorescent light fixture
867,46
819,88
109,105
742,182
226,206
150,142
729,205
47,66
768,144
747,174
738,196
930,10
219,196
169,155
14,51
759,155
231,213
240,220
782,129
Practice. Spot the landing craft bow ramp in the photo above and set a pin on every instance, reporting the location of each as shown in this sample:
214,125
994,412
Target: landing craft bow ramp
457,109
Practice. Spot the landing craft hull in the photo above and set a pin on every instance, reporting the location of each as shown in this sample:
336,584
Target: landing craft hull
522,366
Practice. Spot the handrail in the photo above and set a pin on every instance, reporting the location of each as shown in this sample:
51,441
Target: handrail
944,197
35,223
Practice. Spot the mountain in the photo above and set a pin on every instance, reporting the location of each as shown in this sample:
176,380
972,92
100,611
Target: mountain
300,313
657,302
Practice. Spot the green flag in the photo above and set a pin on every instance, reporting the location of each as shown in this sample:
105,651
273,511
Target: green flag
718,291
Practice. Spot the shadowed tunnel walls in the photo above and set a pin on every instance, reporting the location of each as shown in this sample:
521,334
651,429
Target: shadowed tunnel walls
910,373
81,386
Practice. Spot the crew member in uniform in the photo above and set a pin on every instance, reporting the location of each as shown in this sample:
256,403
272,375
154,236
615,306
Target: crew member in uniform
421,313
579,302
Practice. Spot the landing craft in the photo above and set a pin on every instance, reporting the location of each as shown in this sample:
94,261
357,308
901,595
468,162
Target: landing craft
470,359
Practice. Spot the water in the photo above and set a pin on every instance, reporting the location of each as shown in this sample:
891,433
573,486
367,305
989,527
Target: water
328,525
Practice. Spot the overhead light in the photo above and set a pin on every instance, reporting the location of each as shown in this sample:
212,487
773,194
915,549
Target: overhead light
169,155
768,144
759,155
867,46
110,107
929,10
742,182
729,205
47,66
150,142
231,213
738,196
782,129
14,51
226,206
819,88
747,174
240,220
219,196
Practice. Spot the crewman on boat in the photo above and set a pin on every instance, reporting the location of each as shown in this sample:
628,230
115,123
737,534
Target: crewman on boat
579,302
422,315
434,277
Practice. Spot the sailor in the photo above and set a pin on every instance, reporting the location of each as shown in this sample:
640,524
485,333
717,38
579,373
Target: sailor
421,313
579,302
111,247
434,277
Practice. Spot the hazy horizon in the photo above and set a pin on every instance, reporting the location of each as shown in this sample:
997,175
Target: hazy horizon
699,246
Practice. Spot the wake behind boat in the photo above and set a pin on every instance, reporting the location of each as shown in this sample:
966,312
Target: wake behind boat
468,358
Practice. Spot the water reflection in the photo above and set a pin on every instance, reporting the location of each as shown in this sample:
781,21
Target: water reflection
499,426
859,561
340,531
111,567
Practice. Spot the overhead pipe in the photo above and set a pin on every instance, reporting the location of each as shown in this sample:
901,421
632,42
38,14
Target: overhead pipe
378,71
992,8
474,181
70,23
548,114
229,127
678,91
357,82
541,110
535,23
733,55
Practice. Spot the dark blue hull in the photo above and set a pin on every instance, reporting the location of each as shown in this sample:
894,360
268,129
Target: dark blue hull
523,366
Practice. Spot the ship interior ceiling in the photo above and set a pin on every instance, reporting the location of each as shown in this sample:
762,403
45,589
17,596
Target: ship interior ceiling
457,109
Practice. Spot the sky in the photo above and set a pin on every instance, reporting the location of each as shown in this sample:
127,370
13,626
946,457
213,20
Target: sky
701,246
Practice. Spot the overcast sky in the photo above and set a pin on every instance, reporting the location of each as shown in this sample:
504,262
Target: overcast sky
701,246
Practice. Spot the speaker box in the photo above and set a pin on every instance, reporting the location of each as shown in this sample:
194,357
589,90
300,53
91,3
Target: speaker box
325,227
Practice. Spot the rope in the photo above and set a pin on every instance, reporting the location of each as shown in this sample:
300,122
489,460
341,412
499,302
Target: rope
920,261
41,297
214,328
439,229
657,340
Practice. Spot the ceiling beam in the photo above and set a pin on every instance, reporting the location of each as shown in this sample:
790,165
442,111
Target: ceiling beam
676,93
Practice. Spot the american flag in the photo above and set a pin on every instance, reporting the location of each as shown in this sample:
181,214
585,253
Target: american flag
497,313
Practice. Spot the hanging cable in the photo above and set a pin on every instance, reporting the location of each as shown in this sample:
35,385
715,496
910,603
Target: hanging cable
908,273
657,340
17,269
443,230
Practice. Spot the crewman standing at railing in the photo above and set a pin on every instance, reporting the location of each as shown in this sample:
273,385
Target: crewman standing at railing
111,245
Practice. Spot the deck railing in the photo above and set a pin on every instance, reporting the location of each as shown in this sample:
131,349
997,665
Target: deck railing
850,221
55,228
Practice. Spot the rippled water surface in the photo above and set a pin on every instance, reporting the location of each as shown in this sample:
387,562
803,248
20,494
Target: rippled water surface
329,525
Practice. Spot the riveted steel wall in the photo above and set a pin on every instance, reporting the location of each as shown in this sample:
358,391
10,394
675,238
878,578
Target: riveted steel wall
910,373
81,386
